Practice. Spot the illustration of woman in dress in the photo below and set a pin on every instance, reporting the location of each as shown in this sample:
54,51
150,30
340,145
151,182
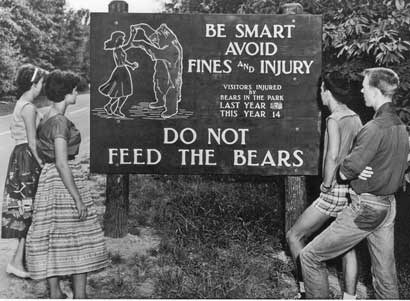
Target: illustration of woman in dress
119,86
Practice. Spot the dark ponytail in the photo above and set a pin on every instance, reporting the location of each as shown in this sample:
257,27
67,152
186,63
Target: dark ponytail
27,75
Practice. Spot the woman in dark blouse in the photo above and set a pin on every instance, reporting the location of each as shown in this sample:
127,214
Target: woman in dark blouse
65,237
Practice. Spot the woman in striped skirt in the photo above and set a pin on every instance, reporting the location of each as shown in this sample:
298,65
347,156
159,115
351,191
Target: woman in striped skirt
65,237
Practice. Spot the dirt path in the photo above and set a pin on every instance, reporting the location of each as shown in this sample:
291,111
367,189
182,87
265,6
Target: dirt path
125,251
7,248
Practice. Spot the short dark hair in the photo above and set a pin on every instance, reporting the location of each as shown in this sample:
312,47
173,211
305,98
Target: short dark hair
27,75
384,79
338,85
59,84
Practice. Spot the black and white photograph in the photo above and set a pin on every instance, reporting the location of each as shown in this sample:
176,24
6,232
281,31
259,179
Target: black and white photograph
205,149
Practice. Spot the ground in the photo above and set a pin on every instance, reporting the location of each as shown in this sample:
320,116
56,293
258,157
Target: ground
135,265
125,254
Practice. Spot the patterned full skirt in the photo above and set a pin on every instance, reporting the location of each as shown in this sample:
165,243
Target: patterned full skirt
58,242
19,191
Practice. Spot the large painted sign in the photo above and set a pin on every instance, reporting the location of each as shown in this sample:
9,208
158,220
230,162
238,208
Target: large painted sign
205,94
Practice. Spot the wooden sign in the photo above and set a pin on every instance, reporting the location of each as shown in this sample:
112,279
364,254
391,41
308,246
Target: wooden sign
205,94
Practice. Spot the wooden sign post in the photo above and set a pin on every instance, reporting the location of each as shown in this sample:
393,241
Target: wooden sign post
117,185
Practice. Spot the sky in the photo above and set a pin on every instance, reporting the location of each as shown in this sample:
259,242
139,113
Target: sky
134,6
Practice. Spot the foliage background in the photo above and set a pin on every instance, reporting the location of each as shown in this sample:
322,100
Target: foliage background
44,33
357,34
220,233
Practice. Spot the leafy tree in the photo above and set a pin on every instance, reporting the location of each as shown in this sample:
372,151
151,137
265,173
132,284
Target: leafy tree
9,52
73,42
357,34
44,33
23,40
35,34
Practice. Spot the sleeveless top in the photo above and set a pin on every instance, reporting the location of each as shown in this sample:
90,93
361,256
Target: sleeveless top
17,126
57,126
349,124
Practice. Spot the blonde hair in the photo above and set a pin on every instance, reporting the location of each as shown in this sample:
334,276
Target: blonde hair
384,79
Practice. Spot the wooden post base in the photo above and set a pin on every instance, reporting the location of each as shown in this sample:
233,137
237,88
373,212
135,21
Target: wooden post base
295,198
117,206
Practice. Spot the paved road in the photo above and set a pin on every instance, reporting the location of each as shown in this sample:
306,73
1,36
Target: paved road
80,115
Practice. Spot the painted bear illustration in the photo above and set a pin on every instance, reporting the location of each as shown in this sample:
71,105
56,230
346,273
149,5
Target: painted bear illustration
164,49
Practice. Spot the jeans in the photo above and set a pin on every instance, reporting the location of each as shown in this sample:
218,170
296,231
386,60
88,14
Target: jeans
368,216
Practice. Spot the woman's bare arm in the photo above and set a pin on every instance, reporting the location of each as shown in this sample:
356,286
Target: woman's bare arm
333,145
29,115
66,175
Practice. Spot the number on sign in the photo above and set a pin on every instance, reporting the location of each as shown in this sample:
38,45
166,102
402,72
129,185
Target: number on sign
276,114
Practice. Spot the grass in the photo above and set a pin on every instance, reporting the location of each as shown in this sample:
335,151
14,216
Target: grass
223,273
219,235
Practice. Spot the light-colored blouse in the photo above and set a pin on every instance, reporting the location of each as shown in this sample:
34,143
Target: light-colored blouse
17,126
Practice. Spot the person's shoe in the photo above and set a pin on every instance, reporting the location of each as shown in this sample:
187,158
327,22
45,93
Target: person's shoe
66,290
16,272
300,295
347,296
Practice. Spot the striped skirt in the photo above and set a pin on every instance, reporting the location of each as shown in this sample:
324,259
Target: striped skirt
58,243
